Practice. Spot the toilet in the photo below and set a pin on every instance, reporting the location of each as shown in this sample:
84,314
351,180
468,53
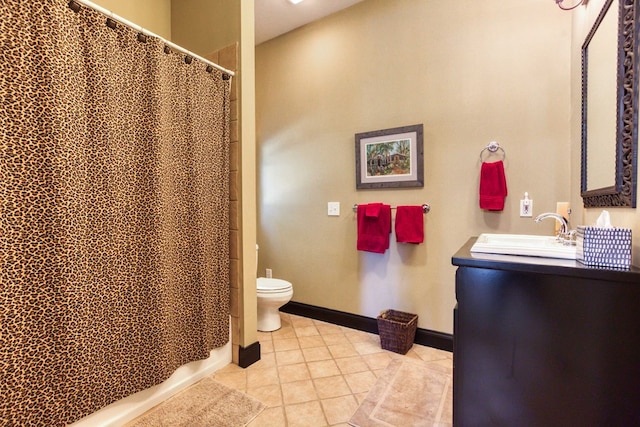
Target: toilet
272,294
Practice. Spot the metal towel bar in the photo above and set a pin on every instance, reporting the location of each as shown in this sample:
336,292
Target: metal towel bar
426,207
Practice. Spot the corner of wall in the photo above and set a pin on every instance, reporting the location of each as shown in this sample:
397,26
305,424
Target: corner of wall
227,57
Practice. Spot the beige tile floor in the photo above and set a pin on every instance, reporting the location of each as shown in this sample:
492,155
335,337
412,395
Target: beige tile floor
314,373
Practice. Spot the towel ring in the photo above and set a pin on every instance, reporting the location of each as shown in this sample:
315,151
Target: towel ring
493,147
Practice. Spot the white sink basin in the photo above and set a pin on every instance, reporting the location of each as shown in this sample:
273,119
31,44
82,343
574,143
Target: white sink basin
523,244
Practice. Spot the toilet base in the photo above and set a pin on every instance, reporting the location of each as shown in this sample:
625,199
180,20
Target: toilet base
268,319
269,301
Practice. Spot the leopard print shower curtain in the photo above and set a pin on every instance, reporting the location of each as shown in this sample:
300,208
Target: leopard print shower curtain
114,192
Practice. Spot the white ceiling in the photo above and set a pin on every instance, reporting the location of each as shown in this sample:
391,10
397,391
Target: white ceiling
276,17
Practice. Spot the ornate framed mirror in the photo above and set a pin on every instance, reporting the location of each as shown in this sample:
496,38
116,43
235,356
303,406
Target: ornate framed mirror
610,107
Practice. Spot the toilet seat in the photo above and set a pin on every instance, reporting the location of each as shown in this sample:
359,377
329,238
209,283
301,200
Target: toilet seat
267,286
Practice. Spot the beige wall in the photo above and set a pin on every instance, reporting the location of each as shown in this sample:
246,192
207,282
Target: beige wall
583,20
201,26
249,324
204,26
154,15
471,72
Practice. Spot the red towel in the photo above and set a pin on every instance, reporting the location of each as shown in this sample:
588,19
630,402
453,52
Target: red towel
374,226
409,224
493,186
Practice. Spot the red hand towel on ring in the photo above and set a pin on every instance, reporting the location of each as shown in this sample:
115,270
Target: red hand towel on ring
409,224
493,186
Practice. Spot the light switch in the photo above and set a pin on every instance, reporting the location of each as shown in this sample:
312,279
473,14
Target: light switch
333,208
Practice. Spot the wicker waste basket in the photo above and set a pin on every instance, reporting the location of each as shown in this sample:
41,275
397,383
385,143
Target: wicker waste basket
397,330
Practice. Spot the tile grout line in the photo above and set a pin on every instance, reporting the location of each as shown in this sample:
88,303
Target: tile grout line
352,338
443,400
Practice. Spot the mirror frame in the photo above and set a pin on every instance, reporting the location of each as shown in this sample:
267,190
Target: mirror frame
623,193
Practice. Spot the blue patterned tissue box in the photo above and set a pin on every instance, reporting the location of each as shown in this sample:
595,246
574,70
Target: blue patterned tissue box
604,247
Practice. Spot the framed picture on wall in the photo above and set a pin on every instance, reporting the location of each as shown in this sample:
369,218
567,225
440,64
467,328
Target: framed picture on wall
390,158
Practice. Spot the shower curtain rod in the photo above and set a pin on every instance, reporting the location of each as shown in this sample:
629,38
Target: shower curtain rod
151,34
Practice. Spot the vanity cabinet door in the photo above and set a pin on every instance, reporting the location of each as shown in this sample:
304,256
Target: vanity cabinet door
545,350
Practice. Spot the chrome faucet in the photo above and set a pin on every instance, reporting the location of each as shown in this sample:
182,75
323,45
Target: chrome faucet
564,223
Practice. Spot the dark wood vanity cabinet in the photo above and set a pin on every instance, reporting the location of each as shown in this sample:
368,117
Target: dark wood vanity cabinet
542,342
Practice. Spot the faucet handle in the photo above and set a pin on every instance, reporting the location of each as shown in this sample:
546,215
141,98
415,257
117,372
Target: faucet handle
568,238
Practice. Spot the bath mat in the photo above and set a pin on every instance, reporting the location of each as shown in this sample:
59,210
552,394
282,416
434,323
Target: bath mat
408,393
204,404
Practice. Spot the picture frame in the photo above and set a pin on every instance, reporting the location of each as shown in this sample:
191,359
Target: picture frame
390,158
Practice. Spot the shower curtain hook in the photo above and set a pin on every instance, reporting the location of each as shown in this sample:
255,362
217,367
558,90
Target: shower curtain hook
73,5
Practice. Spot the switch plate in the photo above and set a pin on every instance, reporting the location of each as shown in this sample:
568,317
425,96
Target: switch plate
269,273
333,208
526,208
